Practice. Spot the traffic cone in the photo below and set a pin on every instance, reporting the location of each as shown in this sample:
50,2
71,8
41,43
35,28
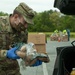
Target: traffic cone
59,39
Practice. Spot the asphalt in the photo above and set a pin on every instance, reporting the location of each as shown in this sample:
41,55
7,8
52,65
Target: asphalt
46,68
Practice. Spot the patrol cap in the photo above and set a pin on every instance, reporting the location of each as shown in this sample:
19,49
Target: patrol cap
27,13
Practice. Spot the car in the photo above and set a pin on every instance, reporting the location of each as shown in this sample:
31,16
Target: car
65,55
65,6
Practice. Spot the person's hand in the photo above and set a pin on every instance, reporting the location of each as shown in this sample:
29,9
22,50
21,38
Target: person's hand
37,63
12,53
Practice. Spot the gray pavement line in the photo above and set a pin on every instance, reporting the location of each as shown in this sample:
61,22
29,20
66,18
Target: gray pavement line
45,72
36,70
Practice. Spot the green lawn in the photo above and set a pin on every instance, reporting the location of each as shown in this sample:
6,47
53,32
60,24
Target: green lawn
72,34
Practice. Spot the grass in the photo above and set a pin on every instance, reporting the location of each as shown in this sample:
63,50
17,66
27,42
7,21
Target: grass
48,34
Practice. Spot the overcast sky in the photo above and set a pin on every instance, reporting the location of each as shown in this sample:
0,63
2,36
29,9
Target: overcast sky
8,6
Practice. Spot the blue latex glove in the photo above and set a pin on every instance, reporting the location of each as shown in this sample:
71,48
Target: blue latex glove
12,54
37,63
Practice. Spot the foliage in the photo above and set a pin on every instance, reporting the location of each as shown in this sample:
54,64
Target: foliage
3,14
50,20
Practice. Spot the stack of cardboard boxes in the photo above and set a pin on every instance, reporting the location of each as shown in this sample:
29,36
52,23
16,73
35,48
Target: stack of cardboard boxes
65,38
39,40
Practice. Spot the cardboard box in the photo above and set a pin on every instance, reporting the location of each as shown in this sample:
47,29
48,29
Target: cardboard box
39,40
65,38
41,48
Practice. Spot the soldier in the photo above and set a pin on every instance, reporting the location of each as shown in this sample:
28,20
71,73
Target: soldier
13,29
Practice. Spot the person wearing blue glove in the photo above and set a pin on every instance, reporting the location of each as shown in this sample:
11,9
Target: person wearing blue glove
13,29
12,53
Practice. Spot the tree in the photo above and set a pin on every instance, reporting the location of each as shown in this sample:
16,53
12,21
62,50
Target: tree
3,14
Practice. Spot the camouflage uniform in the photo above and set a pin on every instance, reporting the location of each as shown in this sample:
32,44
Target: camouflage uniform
7,38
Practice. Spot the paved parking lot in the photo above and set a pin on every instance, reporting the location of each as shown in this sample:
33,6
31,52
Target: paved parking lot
46,69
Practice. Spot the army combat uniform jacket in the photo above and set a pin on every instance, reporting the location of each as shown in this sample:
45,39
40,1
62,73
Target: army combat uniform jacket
9,36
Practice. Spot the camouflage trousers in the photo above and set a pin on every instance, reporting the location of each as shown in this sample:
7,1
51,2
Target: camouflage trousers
9,67
9,72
